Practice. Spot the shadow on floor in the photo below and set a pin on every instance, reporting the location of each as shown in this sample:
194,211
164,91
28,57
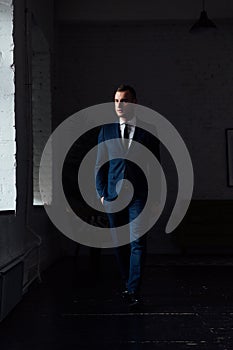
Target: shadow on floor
78,307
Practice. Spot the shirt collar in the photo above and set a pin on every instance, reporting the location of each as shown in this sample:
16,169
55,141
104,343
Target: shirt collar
131,122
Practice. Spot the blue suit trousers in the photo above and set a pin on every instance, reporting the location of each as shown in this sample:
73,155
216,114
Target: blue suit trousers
130,257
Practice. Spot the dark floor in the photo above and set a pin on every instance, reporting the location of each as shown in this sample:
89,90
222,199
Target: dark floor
185,307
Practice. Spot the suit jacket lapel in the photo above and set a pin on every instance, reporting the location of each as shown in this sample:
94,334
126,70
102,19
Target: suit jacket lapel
118,131
136,137
117,135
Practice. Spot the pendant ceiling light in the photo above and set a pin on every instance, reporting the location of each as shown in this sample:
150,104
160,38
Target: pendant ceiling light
204,22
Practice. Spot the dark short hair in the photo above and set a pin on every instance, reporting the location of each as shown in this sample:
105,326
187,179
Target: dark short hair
124,87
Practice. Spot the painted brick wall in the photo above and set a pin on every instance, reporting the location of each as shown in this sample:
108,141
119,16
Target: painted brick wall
105,10
41,104
19,233
7,116
185,77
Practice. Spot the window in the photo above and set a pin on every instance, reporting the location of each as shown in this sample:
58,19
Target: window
7,116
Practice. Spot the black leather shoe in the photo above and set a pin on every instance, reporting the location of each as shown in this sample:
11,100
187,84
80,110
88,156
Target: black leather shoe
125,294
133,300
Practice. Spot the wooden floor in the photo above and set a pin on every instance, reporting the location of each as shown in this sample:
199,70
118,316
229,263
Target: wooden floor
185,307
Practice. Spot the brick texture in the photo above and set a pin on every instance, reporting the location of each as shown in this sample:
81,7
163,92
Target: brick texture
7,116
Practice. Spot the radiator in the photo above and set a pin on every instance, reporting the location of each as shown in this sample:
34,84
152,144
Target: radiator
11,286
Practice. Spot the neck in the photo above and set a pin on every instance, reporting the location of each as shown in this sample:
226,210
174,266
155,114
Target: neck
125,119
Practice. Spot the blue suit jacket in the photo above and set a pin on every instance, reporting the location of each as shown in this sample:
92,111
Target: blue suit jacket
116,167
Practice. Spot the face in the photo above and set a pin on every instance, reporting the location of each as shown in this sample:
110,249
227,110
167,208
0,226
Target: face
124,104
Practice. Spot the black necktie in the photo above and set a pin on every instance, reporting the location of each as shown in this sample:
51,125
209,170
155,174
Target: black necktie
126,136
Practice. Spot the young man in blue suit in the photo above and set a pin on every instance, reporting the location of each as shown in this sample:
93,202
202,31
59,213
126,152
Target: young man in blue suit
124,131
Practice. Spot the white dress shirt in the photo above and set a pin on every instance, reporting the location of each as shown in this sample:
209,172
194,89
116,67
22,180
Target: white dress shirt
131,128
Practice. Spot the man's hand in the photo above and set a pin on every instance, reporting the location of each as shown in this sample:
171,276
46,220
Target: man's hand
102,200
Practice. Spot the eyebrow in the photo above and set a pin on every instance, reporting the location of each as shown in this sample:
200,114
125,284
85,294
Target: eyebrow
122,100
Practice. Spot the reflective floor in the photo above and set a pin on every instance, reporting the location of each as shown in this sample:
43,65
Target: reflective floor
78,306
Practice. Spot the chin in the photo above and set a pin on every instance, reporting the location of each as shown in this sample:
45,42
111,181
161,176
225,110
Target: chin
120,115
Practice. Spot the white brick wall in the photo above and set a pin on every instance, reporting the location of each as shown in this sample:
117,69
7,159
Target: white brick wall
41,106
7,116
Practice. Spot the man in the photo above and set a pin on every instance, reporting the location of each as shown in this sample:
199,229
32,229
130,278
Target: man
110,185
